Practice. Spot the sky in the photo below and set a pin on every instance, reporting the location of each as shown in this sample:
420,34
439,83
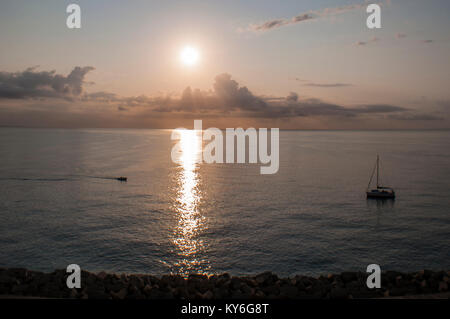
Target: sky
309,64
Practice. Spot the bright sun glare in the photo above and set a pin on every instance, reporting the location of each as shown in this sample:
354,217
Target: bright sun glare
189,56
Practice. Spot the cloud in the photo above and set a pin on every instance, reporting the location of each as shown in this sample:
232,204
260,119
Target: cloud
104,97
327,85
416,117
227,100
228,91
379,108
372,40
268,25
301,17
305,16
292,97
228,97
42,84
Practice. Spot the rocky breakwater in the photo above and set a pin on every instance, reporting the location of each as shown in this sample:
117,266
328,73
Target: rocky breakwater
23,282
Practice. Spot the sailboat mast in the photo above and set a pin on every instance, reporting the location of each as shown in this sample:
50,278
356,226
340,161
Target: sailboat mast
378,168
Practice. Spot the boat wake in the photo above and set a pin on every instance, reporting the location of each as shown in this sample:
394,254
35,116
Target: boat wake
62,179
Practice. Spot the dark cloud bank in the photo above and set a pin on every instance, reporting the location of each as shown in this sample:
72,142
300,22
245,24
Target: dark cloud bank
44,84
226,100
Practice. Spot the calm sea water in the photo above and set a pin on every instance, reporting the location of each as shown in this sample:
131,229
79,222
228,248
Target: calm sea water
59,206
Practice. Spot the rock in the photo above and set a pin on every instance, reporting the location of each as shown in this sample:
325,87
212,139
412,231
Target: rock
443,286
235,283
390,276
348,276
51,290
271,290
401,281
121,294
237,294
246,289
102,275
114,286
338,293
208,295
225,276
172,280
6,278
19,289
73,293
18,273
288,292
166,280
88,279
365,294
136,282
197,277
398,291
147,289
354,286
181,292
96,292
221,292
266,278
198,283
137,294
123,277
20,281
155,293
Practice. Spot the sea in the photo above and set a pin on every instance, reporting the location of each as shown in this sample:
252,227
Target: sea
61,204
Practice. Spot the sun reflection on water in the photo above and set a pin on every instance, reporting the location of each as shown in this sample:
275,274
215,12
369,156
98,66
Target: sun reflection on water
189,245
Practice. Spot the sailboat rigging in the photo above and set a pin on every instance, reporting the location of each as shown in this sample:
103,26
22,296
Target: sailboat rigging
381,191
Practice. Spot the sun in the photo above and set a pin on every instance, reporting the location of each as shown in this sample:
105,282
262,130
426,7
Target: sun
189,56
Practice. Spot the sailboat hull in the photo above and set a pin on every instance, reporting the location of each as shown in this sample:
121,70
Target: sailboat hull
378,194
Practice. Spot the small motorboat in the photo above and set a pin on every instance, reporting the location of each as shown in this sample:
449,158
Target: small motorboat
122,179
381,192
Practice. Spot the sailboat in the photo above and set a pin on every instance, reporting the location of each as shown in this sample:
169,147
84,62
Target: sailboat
382,192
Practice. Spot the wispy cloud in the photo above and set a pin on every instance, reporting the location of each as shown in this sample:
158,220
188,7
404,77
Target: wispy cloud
416,117
303,17
372,40
328,85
